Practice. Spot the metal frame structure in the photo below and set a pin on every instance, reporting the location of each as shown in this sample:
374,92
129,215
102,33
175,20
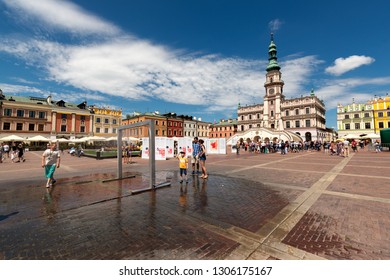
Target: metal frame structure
152,154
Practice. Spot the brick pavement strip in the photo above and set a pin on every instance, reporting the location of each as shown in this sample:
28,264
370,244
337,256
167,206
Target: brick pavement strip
298,206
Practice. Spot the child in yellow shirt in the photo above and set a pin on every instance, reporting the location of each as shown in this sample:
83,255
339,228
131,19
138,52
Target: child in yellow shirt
183,165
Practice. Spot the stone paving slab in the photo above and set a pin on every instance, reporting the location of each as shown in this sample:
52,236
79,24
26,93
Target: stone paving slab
251,207
327,230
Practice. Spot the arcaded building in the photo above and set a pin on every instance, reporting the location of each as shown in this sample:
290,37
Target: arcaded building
279,117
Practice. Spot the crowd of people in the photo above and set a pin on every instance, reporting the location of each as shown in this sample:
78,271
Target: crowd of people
340,147
14,152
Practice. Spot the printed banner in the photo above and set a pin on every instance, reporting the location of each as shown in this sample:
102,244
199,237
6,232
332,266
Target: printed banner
170,148
161,148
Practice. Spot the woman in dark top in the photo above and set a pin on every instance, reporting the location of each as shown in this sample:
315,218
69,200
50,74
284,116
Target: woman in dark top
202,159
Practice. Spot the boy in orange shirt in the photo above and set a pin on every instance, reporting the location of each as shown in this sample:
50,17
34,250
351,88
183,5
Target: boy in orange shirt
183,165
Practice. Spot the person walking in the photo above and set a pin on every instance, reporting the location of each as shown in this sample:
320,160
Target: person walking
183,166
195,156
377,146
346,148
50,161
202,159
6,149
20,151
1,152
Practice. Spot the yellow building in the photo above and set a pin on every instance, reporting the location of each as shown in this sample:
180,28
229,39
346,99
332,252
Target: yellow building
106,121
381,109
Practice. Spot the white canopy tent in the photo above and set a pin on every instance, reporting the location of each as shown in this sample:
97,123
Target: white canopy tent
371,136
38,138
12,138
351,136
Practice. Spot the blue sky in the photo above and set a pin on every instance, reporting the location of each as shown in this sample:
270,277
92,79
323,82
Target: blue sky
195,57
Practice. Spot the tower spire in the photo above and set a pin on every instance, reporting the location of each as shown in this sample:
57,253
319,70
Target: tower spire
272,58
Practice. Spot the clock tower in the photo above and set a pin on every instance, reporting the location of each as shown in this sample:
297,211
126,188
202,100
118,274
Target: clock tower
273,91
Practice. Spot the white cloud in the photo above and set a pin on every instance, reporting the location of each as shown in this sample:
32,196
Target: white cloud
275,25
10,89
343,90
296,72
139,70
63,15
343,65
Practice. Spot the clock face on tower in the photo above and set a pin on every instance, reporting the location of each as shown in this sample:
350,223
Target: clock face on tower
271,91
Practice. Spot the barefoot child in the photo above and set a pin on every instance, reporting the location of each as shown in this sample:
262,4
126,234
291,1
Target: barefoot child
183,165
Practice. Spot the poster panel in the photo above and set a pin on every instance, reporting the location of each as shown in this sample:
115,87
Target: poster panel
216,146
170,148
184,144
161,148
145,148
222,146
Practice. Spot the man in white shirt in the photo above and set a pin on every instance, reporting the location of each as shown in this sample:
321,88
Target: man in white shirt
50,160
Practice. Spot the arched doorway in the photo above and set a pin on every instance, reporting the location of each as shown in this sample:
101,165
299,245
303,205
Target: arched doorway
273,126
256,139
308,136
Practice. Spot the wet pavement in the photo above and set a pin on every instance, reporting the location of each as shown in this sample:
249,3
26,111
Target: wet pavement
299,206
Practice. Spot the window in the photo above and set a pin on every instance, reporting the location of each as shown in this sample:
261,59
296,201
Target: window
366,115
272,102
297,124
114,121
31,114
287,124
63,128
6,126
106,121
357,125
380,124
7,112
114,130
98,130
20,113
250,117
156,132
272,113
367,125
19,126
388,124
356,116
380,114
82,128
346,117
250,126
63,116
287,113
31,127
40,127
307,110
307,123
242,128
106,130
296,111
98,120
347,126
388,114
258,116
